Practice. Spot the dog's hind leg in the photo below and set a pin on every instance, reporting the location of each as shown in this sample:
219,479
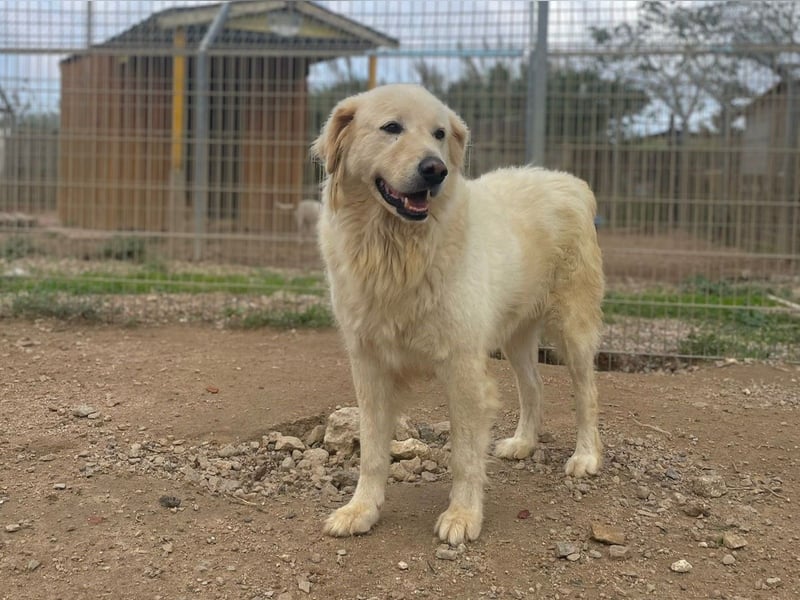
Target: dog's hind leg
472,403
522,351
377,393
579,337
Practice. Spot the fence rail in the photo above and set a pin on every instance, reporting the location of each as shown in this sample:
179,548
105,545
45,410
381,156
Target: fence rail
132,162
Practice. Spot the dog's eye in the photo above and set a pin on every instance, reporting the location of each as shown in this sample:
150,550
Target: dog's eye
393,127
439,134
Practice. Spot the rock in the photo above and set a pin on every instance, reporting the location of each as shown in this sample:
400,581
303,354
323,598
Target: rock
59,486
289,442
564,549
341,433
607,534
574,557
316,456
445,552
135,451
304,585
345,477
728,559
402,565
82,411
287,464
709,486
643,492
693,509
441,429
408,449
13,527
733,541
546,437
228,450
618,552
413,465
595,554
32,565
169,501
405,429
681,566
315,436
399,473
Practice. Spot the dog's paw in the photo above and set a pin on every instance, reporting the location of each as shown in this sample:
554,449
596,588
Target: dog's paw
584,463
458,525
514,448
351,519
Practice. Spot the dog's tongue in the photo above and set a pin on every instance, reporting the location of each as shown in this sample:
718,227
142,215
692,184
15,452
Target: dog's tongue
417,202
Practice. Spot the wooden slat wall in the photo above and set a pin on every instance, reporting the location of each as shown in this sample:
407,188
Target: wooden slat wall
273,147
114,143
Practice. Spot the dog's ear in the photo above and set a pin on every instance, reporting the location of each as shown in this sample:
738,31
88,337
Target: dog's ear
459,138
331,143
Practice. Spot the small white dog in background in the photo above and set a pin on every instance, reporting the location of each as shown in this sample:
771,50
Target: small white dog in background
429,272
306,216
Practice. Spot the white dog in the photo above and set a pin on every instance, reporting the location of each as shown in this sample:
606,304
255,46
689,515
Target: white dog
306,215
429,271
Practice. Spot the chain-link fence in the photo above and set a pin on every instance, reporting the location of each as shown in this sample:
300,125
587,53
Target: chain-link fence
154,154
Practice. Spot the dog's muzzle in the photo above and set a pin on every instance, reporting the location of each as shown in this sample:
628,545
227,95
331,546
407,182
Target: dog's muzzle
414,206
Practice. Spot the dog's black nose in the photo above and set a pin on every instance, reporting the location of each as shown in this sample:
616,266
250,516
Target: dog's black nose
433,170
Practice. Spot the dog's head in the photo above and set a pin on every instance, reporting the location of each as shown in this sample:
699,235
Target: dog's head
397,141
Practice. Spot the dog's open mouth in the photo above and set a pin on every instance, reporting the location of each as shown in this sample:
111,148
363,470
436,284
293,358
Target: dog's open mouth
413,206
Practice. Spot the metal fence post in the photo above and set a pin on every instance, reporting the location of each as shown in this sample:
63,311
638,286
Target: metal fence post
201,130
536,101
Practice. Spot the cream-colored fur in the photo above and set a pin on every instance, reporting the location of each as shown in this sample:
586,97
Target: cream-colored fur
498,261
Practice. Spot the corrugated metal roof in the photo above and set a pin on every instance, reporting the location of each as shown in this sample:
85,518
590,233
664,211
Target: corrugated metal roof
292,27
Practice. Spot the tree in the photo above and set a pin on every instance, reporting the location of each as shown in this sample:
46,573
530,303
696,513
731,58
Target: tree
672,51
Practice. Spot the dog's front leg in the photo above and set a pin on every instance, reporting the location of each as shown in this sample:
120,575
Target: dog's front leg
377,403
472,403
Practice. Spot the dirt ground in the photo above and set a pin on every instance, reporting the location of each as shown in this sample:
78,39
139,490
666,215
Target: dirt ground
79,518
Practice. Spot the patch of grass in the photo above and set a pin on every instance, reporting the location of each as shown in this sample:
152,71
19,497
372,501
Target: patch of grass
315,316
729,319
52,306
18,246
131,249
156,278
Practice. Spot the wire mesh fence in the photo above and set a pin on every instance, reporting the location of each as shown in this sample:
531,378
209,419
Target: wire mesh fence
154,154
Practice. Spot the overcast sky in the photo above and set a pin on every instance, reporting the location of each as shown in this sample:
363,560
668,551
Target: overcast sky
435,30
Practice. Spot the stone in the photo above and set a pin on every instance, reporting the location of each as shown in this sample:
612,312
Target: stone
341,432
135,451
82,411
13,527
228,450
618,552
681,566
728,559
316,456
289,442
402,565
709,486
441,429
733,541
399,473
693,509
564,549
408,449
315,436
607,534
412,465
445,552
405,429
